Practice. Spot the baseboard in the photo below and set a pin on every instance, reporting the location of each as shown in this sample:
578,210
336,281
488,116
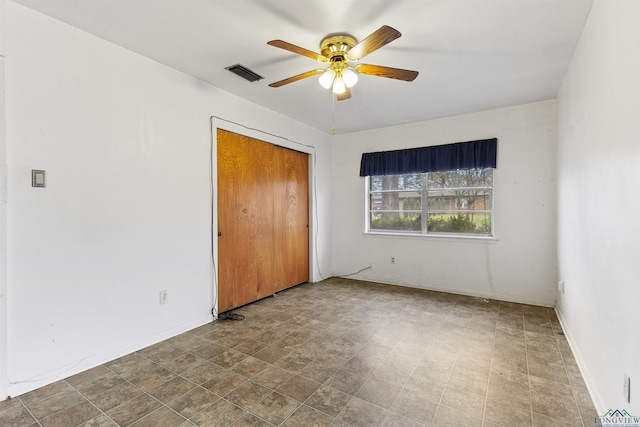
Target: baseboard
25,386
595,397
466,292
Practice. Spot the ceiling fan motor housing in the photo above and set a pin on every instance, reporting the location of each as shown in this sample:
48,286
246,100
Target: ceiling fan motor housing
336,46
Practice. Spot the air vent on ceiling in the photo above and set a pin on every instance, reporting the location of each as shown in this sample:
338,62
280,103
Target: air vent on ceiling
244,72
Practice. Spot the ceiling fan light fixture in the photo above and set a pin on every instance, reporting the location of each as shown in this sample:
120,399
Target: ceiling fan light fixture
338,86
350,77
326,79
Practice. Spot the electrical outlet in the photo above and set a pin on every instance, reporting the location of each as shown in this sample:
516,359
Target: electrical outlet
561,286
393,260
163,297
627,388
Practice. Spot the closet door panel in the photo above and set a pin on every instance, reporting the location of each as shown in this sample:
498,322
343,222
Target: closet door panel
238,274
265,218
291,208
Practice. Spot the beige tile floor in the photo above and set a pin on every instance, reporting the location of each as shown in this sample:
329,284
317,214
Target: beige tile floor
335,353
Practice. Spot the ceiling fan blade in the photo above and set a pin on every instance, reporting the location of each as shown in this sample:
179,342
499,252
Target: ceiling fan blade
372,42
344,95
391,73
296,78
299,50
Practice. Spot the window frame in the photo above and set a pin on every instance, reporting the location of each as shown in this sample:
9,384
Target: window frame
424,211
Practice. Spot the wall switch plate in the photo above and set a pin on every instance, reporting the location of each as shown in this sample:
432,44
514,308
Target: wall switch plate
627,388
561,286
38,178
163,297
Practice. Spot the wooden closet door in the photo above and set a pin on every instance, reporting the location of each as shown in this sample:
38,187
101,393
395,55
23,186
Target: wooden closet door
245,220
263,219
291,210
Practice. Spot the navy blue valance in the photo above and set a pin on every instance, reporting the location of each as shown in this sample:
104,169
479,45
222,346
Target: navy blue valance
436,158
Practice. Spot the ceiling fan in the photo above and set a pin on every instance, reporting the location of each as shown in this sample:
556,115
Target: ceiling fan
341,51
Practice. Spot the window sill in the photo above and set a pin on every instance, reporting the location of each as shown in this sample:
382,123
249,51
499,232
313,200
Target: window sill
445,237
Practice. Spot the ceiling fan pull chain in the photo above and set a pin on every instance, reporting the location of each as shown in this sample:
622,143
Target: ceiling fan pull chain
333,114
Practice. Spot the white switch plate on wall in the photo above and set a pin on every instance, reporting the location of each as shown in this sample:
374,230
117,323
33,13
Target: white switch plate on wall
38,178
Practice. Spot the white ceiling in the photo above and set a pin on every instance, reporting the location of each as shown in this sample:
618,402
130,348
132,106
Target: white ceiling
472,55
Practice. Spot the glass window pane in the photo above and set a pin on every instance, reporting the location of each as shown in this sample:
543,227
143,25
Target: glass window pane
396,182
396,201
410,182
479,177
467,223
459,200
396,221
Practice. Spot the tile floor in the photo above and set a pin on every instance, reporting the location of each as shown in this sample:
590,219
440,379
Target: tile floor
335,353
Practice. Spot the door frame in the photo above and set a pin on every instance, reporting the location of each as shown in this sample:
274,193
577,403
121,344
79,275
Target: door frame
216,124
4,279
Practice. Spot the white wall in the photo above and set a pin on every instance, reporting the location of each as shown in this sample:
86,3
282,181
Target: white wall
598,226
125,143
518,266
3,222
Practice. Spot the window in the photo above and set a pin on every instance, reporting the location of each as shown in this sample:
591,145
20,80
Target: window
457,202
